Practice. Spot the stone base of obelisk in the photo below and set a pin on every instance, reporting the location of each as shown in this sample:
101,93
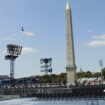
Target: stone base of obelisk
71,76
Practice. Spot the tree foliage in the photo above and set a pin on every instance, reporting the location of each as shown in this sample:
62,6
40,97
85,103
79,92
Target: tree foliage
61,78
103,72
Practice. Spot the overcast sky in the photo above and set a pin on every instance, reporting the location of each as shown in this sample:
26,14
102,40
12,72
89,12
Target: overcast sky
44,35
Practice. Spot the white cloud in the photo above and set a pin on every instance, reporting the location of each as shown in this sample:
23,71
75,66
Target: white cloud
28,50
28,33
98,41
99,37
8,39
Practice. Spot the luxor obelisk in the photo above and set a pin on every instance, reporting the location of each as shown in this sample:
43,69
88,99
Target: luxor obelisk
71,67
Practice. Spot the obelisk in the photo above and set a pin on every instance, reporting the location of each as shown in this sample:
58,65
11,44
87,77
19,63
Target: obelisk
71,67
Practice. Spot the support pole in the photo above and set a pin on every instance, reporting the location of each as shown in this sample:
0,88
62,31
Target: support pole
46,69
12,68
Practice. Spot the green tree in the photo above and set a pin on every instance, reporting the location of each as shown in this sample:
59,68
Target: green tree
84,74
97,74
103,72
88,74
80,74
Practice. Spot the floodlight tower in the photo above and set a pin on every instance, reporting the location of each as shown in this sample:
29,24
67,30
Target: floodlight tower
101,65
46,64
13,52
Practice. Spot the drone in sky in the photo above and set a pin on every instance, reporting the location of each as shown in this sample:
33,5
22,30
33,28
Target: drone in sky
22,28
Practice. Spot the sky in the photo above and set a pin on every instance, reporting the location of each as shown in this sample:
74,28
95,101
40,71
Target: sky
44,35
